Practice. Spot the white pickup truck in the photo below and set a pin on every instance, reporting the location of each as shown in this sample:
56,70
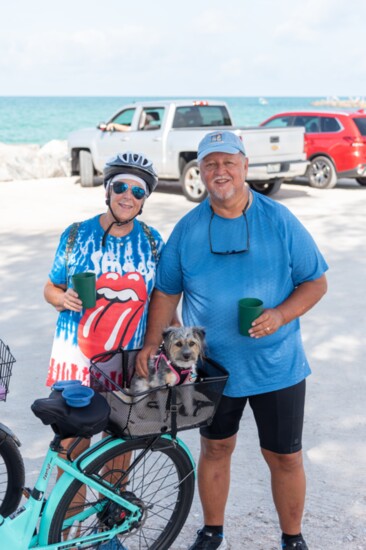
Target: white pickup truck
168,132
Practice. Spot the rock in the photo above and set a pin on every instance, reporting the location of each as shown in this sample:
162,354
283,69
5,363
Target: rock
32,161
54,160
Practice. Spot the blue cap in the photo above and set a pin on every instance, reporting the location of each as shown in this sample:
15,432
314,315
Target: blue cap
220,142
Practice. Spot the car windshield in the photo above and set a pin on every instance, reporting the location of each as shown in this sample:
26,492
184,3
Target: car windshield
361,125
279,122
124,117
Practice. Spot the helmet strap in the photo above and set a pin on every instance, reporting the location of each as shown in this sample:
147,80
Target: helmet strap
116,220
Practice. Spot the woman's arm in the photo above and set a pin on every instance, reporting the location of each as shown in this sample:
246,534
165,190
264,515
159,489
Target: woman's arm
61,298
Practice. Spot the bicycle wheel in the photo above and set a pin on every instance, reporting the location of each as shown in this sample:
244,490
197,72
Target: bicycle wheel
160,481
11,474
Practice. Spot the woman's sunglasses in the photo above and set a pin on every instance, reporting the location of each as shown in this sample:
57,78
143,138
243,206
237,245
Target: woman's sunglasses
120,187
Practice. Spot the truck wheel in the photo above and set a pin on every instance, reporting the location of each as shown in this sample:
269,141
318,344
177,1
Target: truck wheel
266,187
86,169
322,173
361,181
193,188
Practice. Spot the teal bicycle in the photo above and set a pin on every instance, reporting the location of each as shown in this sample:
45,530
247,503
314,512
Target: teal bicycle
11,463
132,489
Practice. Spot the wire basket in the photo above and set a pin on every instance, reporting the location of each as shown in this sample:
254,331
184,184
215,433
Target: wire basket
6,366
161,410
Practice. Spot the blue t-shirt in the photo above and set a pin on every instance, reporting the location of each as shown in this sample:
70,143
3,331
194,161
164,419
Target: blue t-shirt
125,272
281,256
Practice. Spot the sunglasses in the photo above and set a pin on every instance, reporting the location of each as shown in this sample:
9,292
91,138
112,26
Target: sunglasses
120,187
230,252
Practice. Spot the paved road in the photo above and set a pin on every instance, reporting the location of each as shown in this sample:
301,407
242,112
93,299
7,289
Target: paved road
33,213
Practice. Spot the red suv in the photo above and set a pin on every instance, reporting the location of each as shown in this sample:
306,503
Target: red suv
335,144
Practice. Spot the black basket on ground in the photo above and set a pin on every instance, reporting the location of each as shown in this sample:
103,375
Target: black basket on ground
6,366
162,410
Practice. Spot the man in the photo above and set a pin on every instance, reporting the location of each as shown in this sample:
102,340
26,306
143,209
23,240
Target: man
237,244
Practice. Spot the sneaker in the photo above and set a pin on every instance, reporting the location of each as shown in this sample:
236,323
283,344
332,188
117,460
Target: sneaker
297,544
208,541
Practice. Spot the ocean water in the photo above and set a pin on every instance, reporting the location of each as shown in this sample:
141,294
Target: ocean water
41,119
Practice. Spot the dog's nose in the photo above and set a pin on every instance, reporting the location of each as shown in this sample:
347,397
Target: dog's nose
187,354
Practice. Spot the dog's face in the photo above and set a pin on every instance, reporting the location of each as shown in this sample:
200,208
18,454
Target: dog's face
184,345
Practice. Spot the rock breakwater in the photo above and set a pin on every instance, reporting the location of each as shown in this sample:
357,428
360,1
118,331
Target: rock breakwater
30,161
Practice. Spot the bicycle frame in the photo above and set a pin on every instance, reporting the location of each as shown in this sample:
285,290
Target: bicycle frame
18,531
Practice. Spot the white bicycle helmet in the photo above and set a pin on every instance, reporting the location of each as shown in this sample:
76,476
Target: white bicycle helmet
131,163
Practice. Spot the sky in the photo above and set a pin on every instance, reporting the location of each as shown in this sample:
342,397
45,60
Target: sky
186,48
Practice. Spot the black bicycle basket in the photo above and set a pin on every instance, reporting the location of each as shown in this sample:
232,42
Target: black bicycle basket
165,409
6,366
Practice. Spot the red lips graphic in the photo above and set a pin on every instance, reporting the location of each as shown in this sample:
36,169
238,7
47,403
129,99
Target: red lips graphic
118,310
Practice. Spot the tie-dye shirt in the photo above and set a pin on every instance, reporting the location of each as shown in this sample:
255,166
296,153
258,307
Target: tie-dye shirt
125,272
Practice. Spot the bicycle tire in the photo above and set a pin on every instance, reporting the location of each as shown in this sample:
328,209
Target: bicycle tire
163,482
12,475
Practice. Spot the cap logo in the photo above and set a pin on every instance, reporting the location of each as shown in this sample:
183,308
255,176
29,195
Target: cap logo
216,138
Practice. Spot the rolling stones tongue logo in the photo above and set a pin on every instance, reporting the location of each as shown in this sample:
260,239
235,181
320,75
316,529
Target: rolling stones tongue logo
118,310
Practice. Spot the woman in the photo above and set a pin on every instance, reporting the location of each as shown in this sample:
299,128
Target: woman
123,254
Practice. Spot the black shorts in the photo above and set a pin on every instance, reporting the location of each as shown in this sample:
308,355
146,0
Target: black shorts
279,416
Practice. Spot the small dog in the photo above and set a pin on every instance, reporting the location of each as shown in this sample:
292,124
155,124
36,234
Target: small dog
175,364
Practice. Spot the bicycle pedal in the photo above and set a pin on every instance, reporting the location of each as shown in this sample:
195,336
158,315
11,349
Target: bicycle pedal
27,491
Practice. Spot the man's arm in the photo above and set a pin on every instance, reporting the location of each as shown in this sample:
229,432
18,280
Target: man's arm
162,310
119,127
303,298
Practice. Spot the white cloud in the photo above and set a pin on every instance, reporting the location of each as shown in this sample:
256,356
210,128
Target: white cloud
309,20
86,46
291,47
232,67
213,21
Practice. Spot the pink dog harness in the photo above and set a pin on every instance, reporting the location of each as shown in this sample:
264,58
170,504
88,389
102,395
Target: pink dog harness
181,375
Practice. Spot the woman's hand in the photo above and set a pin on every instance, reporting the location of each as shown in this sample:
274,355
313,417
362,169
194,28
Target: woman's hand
71,300
62,298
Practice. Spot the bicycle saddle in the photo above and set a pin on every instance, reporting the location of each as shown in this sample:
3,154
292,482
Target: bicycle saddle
69,421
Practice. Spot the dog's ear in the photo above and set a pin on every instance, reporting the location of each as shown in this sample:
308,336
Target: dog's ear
168,331
200,332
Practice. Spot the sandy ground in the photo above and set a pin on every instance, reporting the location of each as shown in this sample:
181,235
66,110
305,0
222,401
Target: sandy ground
33,213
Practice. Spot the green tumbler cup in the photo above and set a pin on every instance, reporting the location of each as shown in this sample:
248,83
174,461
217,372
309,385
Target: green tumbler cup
249,309
84,285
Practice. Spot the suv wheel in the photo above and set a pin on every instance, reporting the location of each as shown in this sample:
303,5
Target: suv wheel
322,173
361,181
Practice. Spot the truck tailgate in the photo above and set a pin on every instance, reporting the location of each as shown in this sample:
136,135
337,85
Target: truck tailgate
265,145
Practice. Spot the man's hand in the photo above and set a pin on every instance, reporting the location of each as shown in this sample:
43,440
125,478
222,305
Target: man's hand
303,298
162,312
267,323
142,358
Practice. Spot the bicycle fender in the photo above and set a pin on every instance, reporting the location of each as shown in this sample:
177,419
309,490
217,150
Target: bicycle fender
185,448
5,432
62,485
